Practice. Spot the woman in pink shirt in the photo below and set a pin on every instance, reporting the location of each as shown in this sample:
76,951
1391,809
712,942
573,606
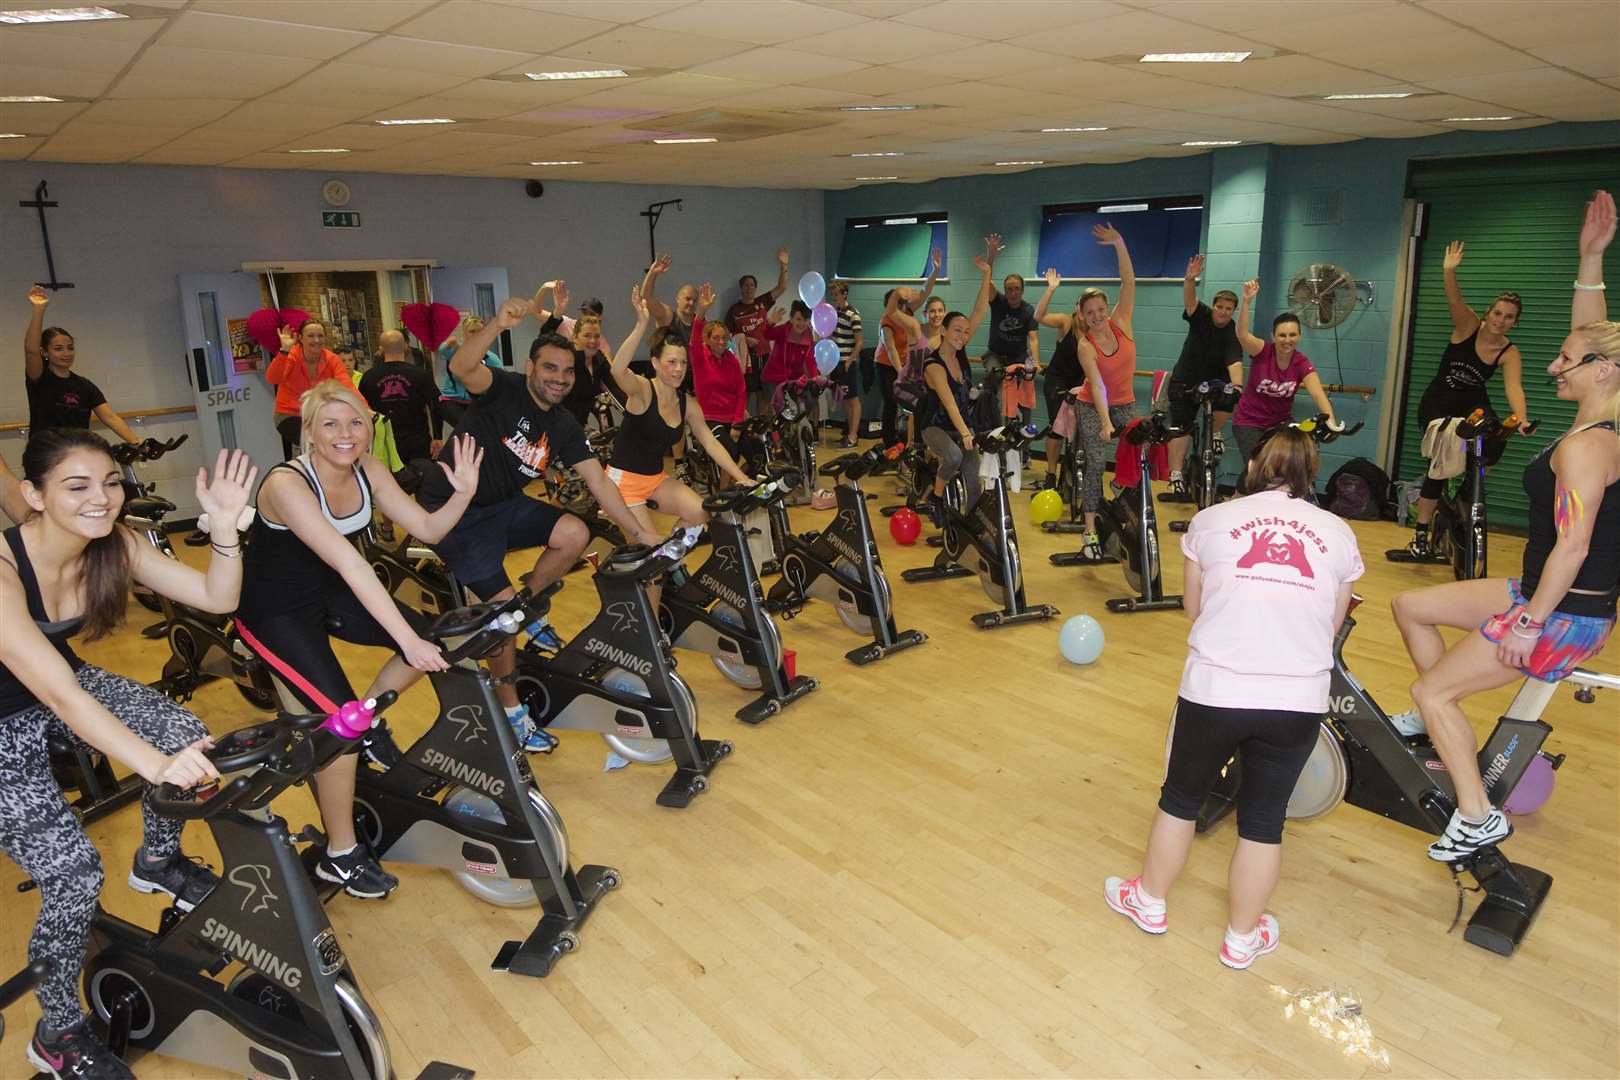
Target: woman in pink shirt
792,349
1267,581
717,374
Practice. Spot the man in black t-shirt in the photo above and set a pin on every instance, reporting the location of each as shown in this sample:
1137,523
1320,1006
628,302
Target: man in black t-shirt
1013,332
520,425
404,393
1210,353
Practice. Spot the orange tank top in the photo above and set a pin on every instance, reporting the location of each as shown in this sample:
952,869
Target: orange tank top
1118,370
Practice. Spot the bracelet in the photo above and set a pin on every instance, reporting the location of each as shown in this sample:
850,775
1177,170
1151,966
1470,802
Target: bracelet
218,544
226,553
1581,286
1527,637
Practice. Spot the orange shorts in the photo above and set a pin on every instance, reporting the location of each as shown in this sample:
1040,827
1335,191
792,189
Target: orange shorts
635,487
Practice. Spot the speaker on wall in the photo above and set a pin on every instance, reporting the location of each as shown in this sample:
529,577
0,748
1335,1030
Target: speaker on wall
534,188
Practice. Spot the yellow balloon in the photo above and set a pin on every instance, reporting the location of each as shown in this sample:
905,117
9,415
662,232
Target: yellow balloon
1045,506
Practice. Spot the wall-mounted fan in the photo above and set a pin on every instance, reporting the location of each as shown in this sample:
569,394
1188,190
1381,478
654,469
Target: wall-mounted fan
1323,295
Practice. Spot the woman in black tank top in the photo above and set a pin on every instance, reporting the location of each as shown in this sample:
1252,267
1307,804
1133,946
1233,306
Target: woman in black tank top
67,568
1477,348
657,413
1562,611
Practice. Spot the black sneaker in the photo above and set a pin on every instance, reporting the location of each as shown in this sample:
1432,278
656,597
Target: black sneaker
378,747
1420,548
358,873
936,511
185,880
1049,482
77,1054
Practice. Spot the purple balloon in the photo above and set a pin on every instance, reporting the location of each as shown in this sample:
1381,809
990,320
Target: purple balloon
826,355
824,319
1533,789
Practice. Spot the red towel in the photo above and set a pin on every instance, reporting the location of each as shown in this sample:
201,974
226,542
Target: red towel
1126,471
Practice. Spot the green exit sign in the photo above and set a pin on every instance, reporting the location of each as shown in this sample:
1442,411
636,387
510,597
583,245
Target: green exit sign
340,219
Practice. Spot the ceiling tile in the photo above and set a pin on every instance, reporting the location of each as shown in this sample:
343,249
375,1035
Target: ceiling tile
1554,22
997,20
878,9
393,51
40,117
1247,16
477,22
1599,59
72,52
1133,32
374,15
1505,87
773,64
636,46
336,80
259,37
776,22
875,81
1449,54
620,11
52,81
185,113
165,72
884,43
989,58
272,116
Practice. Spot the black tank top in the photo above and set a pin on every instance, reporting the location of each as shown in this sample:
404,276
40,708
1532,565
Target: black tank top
644,438
1599,575
940,418
1064,373
279,571
1462,370
14,696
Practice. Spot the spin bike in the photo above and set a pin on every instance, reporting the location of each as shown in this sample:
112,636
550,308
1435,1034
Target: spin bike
1460,531
18,985
983,539
799,435
293,1009
617,677
202,645
840,565
719,609
1128,527
1203,490
462,797
1070,477
1361,758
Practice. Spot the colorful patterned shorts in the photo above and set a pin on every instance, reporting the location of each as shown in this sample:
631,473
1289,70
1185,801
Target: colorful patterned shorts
1565,642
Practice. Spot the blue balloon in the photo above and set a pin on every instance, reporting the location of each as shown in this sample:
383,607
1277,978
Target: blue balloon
827,355
1081,640
812,287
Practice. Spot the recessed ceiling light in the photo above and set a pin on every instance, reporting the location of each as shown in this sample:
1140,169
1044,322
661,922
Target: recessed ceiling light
876,108
556,163
50,15
322,150
1195,57
1020,163
1064,129
1214,142
604,73
880,153
1474,119
899,221
12,135
859,178
1122,208
423,120
25,99
681,142
1368,97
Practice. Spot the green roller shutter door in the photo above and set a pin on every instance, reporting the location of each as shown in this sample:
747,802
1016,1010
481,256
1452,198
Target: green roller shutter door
1519,217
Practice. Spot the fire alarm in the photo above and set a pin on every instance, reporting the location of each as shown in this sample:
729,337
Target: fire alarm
335,192
534,188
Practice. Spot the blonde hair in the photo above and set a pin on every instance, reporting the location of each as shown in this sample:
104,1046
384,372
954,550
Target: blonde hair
586,320
329,392
1087,294
1603,337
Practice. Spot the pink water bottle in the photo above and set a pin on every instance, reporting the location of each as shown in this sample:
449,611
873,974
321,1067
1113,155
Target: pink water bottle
352,719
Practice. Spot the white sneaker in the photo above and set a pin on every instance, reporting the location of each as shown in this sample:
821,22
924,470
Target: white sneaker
1463,838
1241,950
1126,898
1409,723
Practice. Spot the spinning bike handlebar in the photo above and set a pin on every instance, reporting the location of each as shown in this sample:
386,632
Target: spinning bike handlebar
269,746
1153,429
22,982
1482,424
1000,440
145,450
1212,390
858,464
1322,430
763,494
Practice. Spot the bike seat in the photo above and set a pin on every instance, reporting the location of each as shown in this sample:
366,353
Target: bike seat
150,507
461,622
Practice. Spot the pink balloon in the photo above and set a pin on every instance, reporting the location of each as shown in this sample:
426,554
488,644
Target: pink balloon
431,323
262,326
824,319
1533,789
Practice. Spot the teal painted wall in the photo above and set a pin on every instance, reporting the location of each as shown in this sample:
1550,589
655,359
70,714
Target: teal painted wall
1258,218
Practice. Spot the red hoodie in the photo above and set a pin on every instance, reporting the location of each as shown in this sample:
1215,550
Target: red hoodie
717,380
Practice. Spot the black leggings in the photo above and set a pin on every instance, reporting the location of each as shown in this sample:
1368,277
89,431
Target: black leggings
297,644
891,406
1272,747
291,429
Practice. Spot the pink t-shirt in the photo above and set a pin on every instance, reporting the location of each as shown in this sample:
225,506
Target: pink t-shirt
1268,394
1271,567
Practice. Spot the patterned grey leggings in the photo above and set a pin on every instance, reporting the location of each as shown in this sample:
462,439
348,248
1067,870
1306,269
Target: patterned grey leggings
1091,441
40,834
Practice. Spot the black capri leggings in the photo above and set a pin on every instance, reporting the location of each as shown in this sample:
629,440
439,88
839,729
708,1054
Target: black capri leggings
1272,747
297,644
891,406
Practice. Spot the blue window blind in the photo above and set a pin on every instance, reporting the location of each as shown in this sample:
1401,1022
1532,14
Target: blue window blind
1161,240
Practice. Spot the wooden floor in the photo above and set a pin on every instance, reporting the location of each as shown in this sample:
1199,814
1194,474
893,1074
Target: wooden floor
901,876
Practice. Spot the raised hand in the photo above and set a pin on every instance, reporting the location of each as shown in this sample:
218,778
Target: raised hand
1598,228
1251,288
936,259
288,338
467,456
638,304
1195,267
1052,277
994,246
1106,234
706,294
982,263
559,296
782,256
662,264
1454,255
226,495
38,296
512,312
